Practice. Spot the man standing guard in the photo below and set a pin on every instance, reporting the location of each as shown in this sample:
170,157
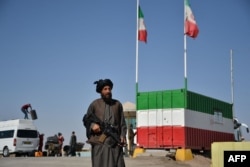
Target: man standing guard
106,150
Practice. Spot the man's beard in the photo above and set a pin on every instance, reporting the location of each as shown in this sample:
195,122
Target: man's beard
107,97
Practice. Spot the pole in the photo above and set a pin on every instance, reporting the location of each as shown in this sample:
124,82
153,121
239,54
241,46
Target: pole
137,56
185,50
232,81
185,59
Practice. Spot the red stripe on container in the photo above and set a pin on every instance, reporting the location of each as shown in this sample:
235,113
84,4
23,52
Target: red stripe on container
179,137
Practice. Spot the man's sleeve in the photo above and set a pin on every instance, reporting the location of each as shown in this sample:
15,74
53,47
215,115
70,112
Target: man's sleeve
87,122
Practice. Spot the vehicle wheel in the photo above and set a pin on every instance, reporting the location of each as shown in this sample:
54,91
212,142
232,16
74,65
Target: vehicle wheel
6,152
31,154
45,154
18,155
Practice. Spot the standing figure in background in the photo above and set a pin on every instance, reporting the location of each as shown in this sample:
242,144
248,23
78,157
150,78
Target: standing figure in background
25,110
73,143
109,111
60,140
41,137
131,135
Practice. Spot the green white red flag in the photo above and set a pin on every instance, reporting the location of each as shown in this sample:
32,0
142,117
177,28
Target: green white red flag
142,32
191,28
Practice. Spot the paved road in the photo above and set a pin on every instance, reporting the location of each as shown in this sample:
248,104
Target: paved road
143,161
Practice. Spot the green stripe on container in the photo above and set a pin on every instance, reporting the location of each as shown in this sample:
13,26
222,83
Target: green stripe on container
167,99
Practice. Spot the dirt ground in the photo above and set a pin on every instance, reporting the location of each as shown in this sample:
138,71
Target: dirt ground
141,161
161,159
199,160
148,159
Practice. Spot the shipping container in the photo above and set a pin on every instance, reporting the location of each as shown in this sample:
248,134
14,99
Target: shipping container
182,119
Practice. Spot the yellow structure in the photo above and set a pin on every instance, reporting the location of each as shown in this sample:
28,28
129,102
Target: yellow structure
183,155
218,149
138,151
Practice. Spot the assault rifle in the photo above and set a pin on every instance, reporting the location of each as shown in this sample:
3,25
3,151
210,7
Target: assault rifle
107,130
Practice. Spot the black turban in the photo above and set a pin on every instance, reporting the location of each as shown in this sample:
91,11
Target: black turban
101,83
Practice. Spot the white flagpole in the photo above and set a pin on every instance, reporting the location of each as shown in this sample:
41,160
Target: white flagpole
185,59
137,56
185,50
232,81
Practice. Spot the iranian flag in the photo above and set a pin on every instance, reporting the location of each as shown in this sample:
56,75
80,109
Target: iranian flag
191,28
142,32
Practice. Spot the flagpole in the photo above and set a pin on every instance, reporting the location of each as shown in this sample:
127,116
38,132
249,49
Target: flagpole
137,56
185,60
185,51
232,81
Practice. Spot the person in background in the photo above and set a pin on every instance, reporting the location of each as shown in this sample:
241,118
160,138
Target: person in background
73,143
131,135
41,137
60,140
25,110
108,111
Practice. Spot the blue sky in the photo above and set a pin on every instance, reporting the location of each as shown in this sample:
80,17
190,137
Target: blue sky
51,52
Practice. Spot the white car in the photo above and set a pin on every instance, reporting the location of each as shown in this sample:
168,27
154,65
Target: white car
237,130
18,136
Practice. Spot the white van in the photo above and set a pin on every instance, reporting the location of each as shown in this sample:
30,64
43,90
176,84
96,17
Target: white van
18,136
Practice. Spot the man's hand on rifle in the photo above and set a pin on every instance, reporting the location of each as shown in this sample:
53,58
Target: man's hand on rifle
95,128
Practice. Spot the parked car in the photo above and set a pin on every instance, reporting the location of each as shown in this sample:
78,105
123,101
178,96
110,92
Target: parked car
18,137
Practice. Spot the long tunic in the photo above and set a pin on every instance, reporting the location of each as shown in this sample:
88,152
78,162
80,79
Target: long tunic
107,154
73,144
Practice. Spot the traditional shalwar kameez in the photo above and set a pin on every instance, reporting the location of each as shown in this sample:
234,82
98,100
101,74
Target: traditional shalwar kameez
108,153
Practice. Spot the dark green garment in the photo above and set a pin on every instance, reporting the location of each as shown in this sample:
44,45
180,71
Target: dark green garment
108,154
104,156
